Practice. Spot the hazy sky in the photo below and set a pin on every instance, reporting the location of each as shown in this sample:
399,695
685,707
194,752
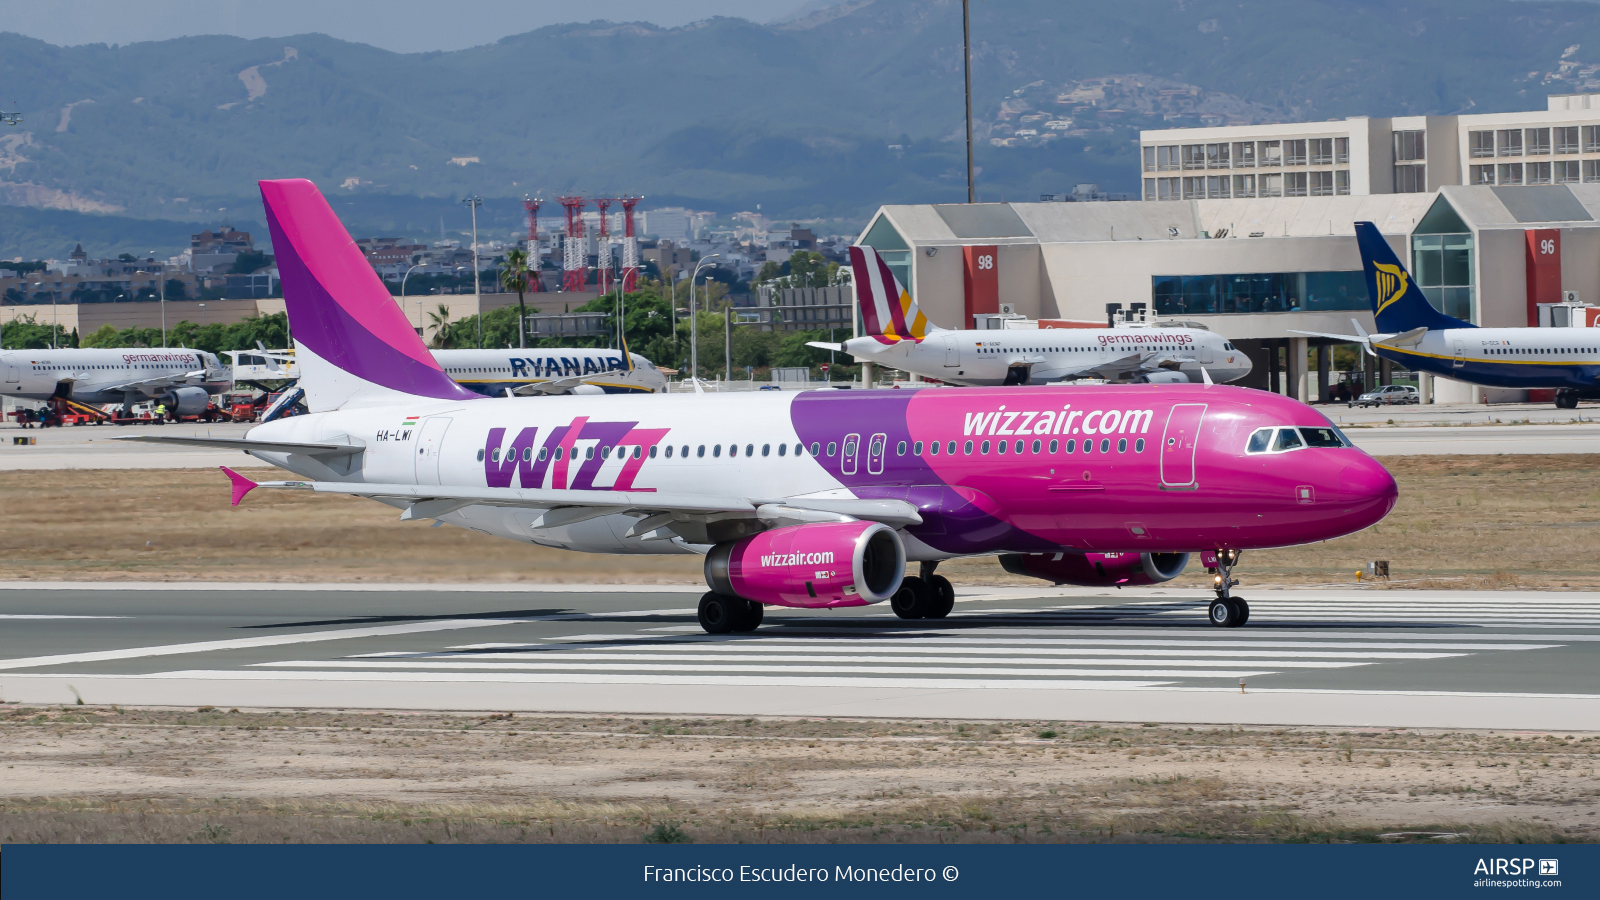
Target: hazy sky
401,25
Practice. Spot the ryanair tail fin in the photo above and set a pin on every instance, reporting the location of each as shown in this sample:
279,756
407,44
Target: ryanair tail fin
887,311
353,344
1397,303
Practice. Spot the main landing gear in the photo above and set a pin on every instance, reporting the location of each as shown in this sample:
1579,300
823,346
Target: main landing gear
1227,611
721,614
924,596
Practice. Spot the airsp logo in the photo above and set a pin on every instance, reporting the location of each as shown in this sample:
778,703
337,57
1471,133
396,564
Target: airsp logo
1501,866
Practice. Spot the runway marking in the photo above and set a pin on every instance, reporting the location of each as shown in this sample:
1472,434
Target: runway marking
740,667
245,643
23,615
602,678
835,654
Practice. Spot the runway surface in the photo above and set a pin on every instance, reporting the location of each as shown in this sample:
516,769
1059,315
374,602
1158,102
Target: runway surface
1518,660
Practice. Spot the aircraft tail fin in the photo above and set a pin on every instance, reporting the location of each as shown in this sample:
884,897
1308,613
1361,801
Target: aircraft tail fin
887,311
354,345
1397,303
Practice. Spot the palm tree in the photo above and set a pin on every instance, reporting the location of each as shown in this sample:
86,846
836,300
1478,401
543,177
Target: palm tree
439,320
514,276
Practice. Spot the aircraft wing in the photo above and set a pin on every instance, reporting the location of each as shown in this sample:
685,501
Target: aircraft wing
247,445
1112,369
656,510
149,385
558,386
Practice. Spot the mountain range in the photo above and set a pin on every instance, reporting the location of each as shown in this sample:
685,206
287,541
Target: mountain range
821,117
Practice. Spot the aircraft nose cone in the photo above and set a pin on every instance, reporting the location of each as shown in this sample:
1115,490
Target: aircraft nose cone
1370,485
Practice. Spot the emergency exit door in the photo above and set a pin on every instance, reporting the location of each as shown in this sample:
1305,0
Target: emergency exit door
429,442
1179,441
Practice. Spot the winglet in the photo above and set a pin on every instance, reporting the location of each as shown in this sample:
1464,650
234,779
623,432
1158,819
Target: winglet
1205,375
241,484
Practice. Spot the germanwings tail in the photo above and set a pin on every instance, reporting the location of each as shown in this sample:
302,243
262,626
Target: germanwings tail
353,344
1397,303
887,312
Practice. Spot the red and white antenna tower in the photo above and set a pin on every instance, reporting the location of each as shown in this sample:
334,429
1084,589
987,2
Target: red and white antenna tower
603,252
535,258
574,274
630,244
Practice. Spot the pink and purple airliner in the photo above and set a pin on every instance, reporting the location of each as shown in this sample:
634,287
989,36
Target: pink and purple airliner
808,499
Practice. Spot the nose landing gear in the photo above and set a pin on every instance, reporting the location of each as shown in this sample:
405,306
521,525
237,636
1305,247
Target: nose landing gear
1227,611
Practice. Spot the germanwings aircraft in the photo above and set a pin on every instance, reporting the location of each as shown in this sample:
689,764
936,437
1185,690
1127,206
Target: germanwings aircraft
562,371
1423,339
182,379
899,336
810,499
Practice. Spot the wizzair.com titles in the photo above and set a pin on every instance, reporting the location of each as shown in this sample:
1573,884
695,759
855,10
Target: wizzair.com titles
822,558
1066,421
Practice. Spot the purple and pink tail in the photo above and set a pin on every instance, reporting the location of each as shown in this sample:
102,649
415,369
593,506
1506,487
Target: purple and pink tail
353,344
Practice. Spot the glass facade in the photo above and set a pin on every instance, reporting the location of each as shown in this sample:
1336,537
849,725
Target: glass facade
894,250
1441,260
1257,293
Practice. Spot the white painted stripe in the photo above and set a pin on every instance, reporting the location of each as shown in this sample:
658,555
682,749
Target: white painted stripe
599,678
832,654
343,634
874,670
20,615
927,645
1193,634
1122,642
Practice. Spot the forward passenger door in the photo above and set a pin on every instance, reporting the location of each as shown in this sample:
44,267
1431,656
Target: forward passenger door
1179,441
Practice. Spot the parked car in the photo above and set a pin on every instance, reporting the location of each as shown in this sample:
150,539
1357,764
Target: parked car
1388,395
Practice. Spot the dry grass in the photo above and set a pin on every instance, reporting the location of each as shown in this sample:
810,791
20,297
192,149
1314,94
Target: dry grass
1462,522
103,774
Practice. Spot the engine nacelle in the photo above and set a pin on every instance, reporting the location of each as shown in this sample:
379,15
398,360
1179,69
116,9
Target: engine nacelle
815,565
1097,569
1162,376
187,401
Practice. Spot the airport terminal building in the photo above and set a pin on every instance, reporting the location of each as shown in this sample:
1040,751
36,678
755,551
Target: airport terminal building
1256,269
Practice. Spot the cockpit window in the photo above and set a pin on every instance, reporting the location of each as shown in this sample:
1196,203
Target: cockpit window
1260,441
1288,439
1322,437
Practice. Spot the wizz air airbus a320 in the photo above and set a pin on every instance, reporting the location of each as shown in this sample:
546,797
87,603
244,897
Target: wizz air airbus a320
808,499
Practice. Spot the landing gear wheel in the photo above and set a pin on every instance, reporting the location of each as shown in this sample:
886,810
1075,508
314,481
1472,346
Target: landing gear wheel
1226,614
944,597
1566,400
1244,610
913,599
749,618
718,612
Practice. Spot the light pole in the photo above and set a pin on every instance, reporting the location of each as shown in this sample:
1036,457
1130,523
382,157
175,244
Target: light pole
477,297
966,71
403,295
622,310
694,324
202,315
161,285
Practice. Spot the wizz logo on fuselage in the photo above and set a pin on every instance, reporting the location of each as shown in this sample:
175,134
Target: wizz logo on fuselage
531,464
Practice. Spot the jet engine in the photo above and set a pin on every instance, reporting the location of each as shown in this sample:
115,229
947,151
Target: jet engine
814,565
186,401
1097,569
1163,376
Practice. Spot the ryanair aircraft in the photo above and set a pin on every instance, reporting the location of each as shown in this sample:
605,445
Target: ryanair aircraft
531,372
1419,337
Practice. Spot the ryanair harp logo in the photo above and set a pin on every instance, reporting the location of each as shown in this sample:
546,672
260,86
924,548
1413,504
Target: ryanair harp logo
1391,284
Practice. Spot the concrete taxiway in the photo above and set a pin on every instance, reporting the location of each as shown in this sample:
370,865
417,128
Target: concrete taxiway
1520,660
92,447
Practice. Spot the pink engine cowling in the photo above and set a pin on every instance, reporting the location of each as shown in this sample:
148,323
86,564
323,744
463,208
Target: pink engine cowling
816,565
1097,569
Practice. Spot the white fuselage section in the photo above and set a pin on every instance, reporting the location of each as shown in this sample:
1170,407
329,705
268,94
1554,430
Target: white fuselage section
129,375
683,445
1053,354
